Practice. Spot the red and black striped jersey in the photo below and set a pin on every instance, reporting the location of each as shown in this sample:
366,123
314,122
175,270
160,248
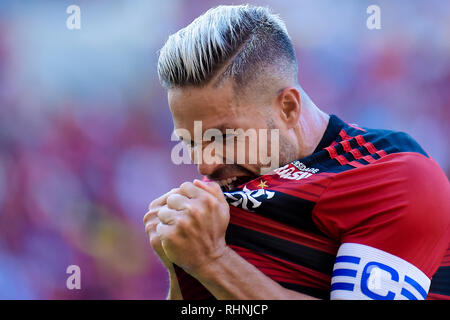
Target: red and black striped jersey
368,188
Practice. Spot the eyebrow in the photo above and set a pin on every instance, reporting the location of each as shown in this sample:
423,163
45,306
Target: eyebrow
222,128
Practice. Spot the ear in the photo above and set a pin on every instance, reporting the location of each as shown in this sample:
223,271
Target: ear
290,106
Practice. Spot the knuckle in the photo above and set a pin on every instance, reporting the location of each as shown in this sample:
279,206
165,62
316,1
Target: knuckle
208,200
171,199
160,230
150,227
162,213
171,196
185,185
159,201
187,206
151,205
148,216
203,197
193,210
183,223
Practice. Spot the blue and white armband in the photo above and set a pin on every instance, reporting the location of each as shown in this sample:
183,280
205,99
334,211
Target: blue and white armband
362,273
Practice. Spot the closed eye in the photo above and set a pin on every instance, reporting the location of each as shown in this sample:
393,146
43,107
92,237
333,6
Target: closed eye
192,144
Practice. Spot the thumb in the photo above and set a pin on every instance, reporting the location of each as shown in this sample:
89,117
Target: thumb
210,186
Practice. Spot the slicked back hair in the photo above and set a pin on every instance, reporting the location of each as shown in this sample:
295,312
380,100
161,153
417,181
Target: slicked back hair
241,41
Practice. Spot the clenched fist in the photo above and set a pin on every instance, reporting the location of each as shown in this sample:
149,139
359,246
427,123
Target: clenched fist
192,224
151,220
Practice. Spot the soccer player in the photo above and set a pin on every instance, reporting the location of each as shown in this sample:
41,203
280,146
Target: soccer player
350,213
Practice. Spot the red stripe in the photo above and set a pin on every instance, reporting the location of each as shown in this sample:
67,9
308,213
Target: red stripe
381,153
445,260
356,164
287,275
344,136
346,145
436,296
262,224
282,278
309,189
276,178
360,140
333,155
369,159
356,154
317,184
356,127
275,271
370,148
342,160
295,272
332,152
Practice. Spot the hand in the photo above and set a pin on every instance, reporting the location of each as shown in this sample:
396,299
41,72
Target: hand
193,224
151,220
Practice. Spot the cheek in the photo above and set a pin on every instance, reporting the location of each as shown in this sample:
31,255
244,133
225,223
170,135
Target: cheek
288,150
279,150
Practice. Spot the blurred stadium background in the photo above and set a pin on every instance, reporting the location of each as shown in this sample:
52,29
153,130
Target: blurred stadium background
85,129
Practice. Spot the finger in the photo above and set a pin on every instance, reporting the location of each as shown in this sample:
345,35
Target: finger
150,227
156,204
164,230
162,199
167,215
190,190
150,214
210,186
178,202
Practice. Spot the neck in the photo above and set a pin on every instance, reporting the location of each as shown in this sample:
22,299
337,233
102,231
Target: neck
311,126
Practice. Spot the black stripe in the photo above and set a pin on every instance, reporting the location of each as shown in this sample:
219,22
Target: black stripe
440,282
290,210
280,248
394,142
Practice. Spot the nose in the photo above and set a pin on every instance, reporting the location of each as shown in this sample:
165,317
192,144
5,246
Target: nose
207,161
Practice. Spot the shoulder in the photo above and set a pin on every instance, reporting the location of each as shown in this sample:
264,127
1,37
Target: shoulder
381,142
404,193
399,204
407,180
386,193
410,173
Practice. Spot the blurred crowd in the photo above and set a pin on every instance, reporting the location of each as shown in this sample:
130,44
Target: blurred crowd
85,129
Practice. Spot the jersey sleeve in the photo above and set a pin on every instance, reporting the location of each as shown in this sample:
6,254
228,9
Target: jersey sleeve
392,220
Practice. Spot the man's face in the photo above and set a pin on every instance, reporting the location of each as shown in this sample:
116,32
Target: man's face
219,108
